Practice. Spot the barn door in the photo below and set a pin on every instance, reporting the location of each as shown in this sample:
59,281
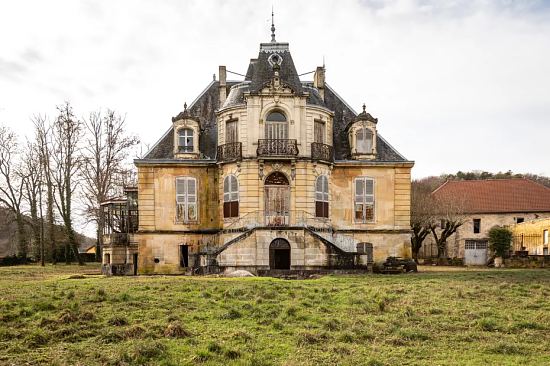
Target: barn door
475,252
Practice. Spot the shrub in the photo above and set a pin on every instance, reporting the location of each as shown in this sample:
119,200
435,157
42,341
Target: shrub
500,240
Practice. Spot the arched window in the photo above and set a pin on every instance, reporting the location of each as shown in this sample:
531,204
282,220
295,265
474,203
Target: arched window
321,196
363,140
185,140
230,196
276,126
186,199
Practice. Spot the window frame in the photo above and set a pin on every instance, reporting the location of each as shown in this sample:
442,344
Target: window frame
476,228
276,129
231,198
545,237
185,200
364,130
186,148
233,122
364,202
322,197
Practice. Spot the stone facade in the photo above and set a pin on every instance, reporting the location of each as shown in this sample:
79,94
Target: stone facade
263,178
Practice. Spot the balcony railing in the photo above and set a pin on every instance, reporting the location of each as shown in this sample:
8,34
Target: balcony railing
260,218
277,148
231,151
321,151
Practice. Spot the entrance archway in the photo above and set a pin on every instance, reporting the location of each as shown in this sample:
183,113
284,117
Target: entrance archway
279,254
277,199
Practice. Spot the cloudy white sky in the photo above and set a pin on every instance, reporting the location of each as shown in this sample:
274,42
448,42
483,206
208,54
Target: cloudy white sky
456,85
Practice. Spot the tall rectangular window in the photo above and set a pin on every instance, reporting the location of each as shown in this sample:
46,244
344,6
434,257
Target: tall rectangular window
477,226
186,199
319,132
364,199
231,131
545,237
321,196
230,196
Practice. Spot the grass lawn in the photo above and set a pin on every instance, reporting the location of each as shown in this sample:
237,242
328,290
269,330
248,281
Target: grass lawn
485,317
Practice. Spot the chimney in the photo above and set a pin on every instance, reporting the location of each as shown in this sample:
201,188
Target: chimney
319,80
222,87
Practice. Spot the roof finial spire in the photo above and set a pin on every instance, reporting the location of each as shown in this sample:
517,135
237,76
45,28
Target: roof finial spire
364,107
272,26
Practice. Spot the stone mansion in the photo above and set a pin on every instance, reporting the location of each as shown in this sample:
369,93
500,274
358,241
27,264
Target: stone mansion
269,173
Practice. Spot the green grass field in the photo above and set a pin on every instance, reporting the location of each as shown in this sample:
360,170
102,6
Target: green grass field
485,317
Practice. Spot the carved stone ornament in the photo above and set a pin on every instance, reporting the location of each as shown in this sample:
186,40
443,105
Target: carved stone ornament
277,167
293,170
261,169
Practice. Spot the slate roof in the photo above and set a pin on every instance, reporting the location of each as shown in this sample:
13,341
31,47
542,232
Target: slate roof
497,195
260,72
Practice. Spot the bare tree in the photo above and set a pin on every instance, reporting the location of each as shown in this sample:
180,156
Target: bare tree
11,184
31,170
105,154
67,132
450,212
422,214
43,132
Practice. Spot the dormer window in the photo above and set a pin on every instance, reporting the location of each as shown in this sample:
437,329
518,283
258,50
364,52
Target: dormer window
362,136
185,140
363,141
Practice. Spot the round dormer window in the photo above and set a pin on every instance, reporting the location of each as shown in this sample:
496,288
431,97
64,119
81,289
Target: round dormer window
275,59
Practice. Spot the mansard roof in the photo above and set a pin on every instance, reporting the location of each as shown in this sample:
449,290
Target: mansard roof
260,73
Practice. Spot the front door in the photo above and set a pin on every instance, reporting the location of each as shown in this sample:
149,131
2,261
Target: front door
277,200
279,254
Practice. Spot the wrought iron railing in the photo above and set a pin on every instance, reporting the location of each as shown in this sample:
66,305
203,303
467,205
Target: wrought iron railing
321,151
277,147
231,151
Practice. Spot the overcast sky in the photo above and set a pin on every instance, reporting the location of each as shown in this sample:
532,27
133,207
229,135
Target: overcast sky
456,85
